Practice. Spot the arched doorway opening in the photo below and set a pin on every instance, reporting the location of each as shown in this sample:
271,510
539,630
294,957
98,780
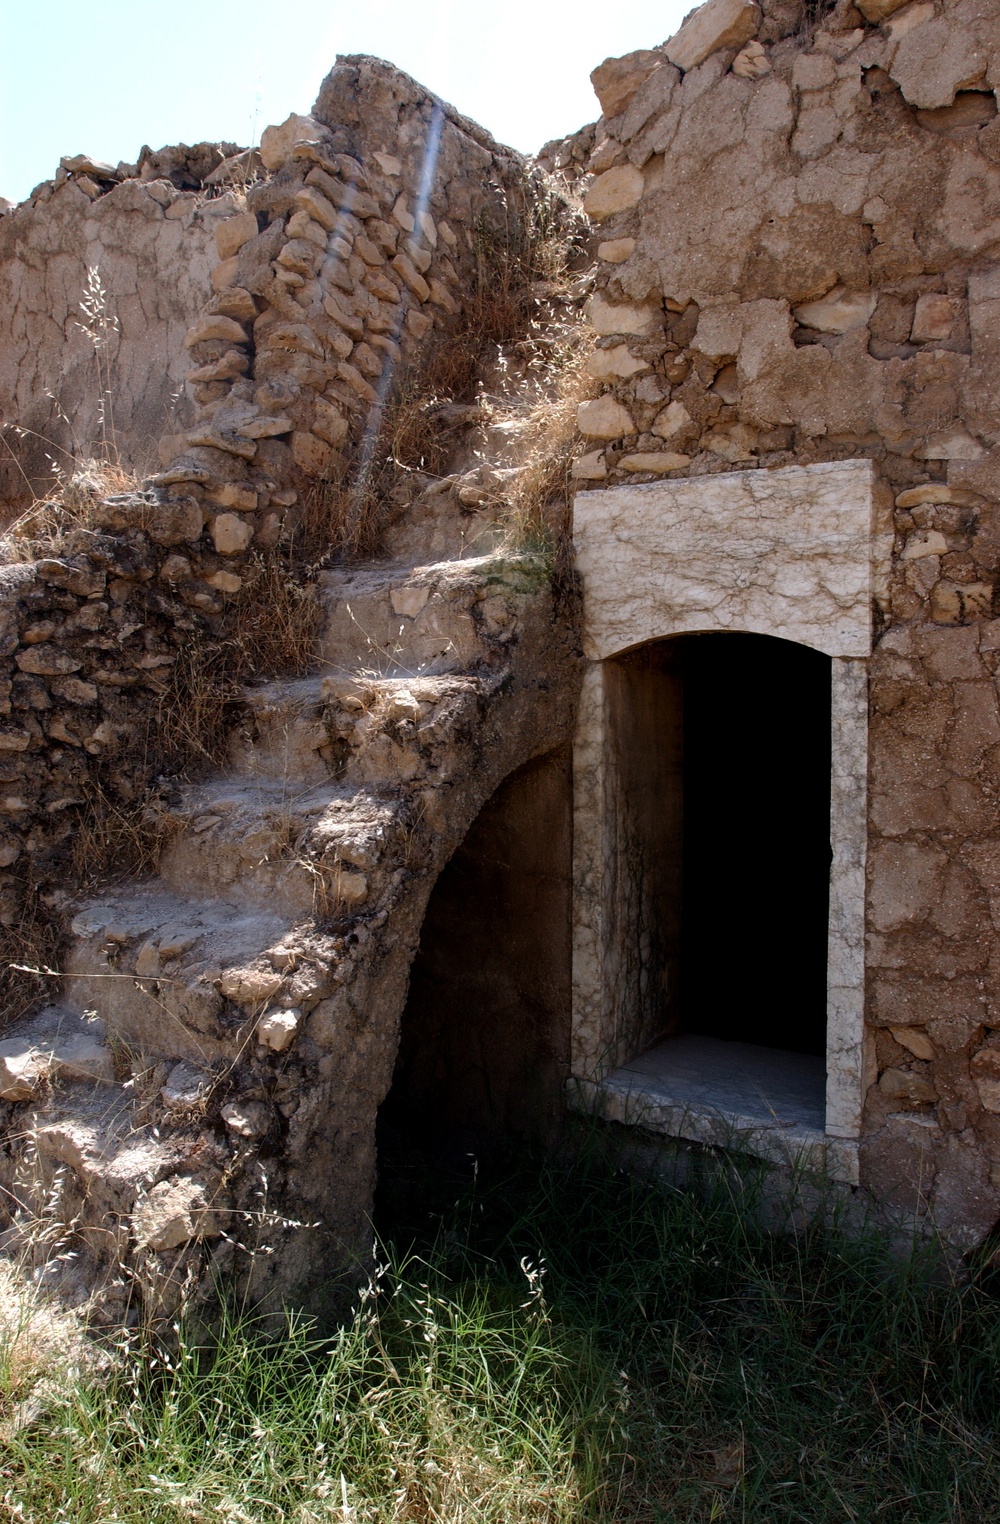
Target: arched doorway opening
485,1033
719,789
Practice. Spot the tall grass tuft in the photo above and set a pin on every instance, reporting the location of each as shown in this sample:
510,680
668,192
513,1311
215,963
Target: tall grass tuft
558,1342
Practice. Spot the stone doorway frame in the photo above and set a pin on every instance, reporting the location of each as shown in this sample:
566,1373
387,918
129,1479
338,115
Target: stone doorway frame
790,553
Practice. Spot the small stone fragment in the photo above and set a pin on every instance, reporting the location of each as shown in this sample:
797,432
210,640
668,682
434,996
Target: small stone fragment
186,1088
616,250
278,1029
247,1119
752,61
174,1212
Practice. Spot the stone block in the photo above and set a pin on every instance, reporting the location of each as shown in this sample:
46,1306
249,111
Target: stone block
173,1213
933,318
752,61
276,143
877,10
279,1029
230,534
605,364
233,232
614,191
904,1088
604,418
717,24
619,317
616,250
658,461
215,326
616,80
839,311
23,1069
591,467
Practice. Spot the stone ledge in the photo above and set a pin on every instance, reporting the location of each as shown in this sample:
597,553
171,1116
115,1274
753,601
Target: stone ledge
641,1094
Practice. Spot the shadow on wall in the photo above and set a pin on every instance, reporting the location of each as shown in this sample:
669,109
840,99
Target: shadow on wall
484,1041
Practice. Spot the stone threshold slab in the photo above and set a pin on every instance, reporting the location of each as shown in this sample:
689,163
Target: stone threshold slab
763,1101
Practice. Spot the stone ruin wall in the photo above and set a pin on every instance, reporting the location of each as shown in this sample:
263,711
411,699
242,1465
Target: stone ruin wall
334,275
799,225
800,231
350,237
278,318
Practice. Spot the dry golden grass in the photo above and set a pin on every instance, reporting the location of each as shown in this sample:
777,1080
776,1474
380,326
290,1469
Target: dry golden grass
61,522
44,1351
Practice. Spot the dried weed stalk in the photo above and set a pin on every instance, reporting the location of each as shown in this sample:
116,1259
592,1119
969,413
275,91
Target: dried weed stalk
271,631
29,947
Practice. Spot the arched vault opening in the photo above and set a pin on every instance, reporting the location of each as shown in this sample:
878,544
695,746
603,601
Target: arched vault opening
485,1032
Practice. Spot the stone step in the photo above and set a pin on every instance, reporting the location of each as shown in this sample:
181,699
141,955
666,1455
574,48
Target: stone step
147,962
240,838
408,621
395,731
282,734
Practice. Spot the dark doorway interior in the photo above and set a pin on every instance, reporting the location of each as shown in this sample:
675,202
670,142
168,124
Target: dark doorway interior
755,885
484,1040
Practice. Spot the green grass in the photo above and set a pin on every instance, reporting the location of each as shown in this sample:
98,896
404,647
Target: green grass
560,1342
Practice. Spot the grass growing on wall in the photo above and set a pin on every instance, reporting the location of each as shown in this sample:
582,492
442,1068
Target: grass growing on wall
563,1343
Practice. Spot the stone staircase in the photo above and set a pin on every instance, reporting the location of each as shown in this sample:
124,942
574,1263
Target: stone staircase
205,1093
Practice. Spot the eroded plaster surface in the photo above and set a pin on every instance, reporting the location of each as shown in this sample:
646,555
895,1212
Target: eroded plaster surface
785,553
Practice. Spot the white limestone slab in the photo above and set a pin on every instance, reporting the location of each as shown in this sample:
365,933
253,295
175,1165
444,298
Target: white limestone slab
786,553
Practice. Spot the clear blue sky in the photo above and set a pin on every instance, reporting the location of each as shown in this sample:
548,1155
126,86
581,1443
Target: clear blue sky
105,76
